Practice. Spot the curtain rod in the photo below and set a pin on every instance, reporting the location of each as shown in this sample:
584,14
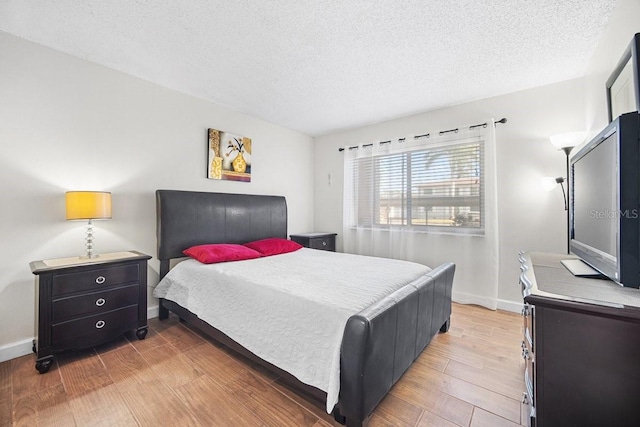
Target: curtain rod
426,135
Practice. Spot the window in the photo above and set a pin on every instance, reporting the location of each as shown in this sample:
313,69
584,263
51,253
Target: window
437,187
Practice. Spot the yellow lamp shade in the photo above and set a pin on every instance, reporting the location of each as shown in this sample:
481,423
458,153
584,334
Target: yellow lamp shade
88,205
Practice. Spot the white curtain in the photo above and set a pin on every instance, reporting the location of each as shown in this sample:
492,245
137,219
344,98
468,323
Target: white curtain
428,199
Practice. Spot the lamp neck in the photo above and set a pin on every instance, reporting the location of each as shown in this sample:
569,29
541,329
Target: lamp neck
89,241
567,150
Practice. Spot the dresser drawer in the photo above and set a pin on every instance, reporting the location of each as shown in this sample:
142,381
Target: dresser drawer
324,243
94,279
528,400
89,330
528,313
94,302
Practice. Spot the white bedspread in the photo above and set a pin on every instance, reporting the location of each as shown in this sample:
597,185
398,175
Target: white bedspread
289,309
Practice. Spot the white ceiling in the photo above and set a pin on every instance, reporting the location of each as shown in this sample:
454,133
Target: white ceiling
324,65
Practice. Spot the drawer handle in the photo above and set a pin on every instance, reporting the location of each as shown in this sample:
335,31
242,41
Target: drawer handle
100,302
100,324
100,280
324,243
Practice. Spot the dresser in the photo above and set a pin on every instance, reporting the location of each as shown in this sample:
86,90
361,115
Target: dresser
322,241
581,345
81,303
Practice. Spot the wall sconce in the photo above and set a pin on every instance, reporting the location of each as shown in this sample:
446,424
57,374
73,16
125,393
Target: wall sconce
88,205
565,142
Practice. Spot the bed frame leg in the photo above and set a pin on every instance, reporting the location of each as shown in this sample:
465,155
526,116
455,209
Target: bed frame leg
349,422
163,312
445,326
338,416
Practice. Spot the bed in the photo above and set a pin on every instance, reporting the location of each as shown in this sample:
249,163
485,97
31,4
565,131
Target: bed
379,342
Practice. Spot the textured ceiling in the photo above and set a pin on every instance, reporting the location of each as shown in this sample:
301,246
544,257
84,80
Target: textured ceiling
324,65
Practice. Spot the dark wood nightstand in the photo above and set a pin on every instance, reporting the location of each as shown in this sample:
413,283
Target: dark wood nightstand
85,302
322,241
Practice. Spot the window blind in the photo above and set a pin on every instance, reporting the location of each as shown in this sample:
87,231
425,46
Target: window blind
427,187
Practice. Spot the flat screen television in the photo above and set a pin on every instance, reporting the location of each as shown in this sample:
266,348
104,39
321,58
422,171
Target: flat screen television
604,202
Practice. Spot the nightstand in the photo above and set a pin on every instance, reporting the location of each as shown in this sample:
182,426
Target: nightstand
322,241
85,302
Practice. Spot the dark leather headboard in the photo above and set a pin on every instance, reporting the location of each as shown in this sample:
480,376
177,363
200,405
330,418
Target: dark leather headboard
188,218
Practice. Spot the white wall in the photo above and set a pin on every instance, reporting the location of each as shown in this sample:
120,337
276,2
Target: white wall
623,24
67,124
529,218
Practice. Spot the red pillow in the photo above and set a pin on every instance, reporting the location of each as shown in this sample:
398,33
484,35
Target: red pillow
211,254
273,246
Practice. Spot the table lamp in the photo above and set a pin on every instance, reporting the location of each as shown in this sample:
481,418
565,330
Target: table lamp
88,205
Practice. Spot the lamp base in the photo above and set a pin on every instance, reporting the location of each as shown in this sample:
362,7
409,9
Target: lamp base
89,242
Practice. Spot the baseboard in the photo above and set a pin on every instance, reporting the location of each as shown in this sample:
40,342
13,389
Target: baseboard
490,303
24,347
513,306
465,298
16,349
152,312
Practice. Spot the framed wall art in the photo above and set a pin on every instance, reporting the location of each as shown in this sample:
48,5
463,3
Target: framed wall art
229,156
623,86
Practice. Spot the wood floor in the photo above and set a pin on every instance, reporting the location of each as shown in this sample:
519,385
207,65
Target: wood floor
470,376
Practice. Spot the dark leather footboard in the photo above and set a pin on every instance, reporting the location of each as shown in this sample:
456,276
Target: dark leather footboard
383,340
